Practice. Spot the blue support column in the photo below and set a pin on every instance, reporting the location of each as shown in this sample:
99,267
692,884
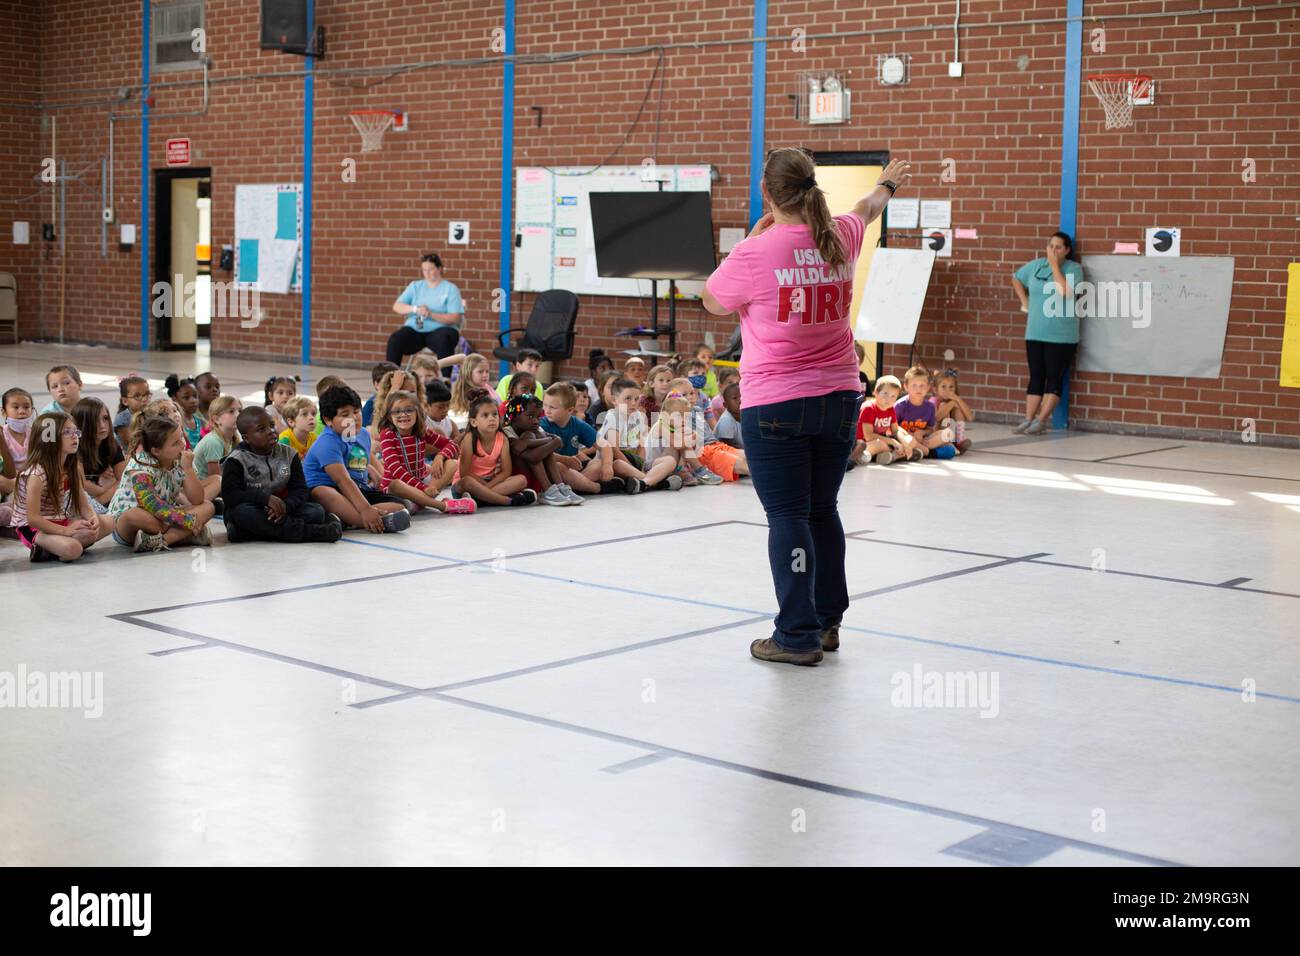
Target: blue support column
757,112
308,120
507,168
143,244
1070,158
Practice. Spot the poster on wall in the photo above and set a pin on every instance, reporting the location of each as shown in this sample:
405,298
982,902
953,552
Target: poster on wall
268,237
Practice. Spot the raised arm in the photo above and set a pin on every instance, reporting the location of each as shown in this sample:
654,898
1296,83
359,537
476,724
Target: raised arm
870,206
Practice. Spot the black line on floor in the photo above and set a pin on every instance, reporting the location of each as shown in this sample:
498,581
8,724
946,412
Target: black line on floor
1233,582
1132,454
801,782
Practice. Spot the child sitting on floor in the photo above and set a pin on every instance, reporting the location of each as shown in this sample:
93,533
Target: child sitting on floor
624,430
476,373
725,377
183,392
64,383
878,429
340,467
50,511
213,447
376,375
916,416
728,429
279,389
159,501
300,413
485,466
134,395
719,460
533,451
528,360
588,468
438,411
265,491
102,461
404,440
655,390
951,409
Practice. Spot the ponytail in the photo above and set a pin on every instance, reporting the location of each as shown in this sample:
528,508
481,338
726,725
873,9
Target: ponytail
789,177
826,237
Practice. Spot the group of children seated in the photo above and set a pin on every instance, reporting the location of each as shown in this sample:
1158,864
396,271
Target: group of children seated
157,471
916,425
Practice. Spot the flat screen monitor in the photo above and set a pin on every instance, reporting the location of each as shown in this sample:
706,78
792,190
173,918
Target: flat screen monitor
655,235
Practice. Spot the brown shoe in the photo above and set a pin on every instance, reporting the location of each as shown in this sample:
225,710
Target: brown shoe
831,638
769,650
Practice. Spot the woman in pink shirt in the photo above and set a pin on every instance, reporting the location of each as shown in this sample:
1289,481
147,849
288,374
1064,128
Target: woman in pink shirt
791,281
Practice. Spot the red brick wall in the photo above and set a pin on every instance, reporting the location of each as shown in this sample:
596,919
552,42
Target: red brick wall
20,132
1228,89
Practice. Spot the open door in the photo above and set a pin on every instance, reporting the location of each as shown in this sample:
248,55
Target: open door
845,177
182,251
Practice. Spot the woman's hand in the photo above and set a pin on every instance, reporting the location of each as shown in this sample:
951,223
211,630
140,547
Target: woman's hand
895,172
764,223
1055,256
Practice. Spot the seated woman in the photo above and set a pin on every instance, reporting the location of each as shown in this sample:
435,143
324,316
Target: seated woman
433,311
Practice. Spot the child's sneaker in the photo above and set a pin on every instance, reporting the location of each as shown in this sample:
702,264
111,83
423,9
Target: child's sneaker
40,554
326,532
525,497
633,486
706,477
150,542
202,537
395,521
963,446
573,497
884,458
554,496
944,452
671,483
684,475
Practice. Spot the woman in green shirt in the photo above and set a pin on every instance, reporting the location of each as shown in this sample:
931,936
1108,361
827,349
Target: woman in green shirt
1046,288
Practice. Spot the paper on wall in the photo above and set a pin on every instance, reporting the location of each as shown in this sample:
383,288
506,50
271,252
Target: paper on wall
936,214
276,261
903,213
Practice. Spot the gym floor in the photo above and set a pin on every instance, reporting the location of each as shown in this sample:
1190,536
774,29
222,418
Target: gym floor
573,686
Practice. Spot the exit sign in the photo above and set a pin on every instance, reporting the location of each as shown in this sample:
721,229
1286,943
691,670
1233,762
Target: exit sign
178,152
828,107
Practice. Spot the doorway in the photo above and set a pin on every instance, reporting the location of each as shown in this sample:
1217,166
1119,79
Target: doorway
183,256
845,177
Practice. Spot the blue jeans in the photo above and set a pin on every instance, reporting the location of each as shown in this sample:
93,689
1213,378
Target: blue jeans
797,452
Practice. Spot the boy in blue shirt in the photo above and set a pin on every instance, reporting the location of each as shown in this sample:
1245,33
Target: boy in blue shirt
338,468
586,469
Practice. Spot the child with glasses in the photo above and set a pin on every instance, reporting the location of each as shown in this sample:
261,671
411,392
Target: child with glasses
404,439
51,511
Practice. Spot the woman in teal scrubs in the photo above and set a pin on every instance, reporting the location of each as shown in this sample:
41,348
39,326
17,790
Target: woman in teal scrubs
1046,288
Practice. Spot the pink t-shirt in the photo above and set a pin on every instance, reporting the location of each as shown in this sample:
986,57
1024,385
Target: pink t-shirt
794,312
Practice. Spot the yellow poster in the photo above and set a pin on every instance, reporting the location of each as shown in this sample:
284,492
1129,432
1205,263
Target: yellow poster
1291,333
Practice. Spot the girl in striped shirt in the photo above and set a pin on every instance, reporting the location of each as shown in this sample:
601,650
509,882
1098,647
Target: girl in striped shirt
403,440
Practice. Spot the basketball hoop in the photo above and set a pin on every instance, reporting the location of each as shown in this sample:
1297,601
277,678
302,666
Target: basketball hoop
371,124
1117,92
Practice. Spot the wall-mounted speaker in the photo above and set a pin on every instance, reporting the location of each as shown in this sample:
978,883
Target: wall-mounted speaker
284,25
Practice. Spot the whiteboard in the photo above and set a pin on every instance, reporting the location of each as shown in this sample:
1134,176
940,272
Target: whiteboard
554,244
894,294
268,237
1188,315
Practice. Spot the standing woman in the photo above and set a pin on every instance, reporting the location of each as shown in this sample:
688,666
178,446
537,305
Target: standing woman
433,311
791,280
1046,291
